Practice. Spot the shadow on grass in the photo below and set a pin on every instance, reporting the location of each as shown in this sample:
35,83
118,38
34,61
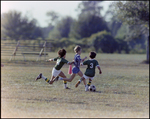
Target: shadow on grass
145,62
95,91
114,92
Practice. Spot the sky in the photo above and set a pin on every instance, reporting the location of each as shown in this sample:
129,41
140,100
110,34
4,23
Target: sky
38,9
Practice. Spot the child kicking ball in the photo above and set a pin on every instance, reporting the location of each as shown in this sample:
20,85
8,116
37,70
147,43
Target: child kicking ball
90,70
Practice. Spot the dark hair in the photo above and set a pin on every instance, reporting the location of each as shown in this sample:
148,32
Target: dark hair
92,54
61,52
77,48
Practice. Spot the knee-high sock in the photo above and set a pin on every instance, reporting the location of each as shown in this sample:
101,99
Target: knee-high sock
89,83
46,79
65,84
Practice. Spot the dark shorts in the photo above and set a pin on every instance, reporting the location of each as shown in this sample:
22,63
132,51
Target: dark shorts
75,70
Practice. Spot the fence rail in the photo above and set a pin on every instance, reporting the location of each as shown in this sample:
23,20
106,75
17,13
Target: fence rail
25,50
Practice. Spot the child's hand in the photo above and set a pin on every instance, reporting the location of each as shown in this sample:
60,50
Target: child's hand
49,60
81,64
72,62
85,57
100,72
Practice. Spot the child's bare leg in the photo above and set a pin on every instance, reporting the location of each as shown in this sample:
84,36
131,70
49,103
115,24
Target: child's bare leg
80,74
69,79
82,78
52,80
84,81
79,81
53,77
65,82
62,75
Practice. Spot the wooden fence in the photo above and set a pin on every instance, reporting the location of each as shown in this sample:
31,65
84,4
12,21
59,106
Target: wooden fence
25,49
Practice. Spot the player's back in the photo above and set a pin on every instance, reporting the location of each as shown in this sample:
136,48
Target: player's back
91,64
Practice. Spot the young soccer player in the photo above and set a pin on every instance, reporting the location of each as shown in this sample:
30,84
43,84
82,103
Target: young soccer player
90,71
56,69
76,68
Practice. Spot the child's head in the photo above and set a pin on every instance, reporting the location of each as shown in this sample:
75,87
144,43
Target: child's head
62,53
92,55
77,49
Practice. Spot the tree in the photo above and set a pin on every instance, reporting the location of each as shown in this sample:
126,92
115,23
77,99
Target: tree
90,7
102,41
88,25
54,16
89,20
63,28
136,15
14,26
105,42
46,31
114,25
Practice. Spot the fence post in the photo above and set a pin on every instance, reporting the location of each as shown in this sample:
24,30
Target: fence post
14,52
40,54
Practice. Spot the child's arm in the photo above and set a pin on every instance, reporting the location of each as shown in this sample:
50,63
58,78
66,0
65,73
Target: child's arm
83,59
70,63
49,60
99,69
84,63
52,59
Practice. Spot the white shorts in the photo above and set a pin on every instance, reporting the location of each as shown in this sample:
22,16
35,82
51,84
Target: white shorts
55,72
87,77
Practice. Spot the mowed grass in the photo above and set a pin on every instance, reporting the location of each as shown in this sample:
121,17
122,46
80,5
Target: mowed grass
122,89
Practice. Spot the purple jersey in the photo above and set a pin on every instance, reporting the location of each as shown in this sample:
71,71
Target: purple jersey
77,60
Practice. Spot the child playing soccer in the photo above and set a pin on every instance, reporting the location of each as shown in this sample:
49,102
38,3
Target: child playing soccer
56,69
76,68
90,71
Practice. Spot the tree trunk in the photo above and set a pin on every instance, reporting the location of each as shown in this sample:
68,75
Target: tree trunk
147,54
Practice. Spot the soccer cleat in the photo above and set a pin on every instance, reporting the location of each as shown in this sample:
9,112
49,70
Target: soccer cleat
67,88
39,76
56,78
77,84
86,88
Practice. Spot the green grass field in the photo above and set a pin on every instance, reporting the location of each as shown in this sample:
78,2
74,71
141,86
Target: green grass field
122,89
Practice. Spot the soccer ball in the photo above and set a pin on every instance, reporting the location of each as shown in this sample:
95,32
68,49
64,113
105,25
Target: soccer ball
92,88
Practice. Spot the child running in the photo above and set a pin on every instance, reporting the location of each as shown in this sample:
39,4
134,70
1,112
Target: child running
90,71
56,69
76,68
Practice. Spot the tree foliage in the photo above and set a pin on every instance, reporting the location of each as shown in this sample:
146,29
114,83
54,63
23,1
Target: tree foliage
53,17
89,20
135,14
63,28
87,25
90,7
114,25
102,42
14,26
105,42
